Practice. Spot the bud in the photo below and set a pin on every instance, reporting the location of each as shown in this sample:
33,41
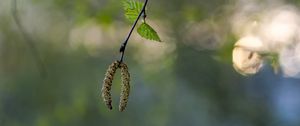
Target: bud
245,56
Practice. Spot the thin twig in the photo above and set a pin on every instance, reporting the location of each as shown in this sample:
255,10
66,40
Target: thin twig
124,44
28,40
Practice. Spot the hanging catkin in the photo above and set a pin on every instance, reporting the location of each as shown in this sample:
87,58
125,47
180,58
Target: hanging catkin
125,87
107,83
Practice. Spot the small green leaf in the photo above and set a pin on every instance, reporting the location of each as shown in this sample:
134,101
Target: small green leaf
132,9
275,63
146,31
273,60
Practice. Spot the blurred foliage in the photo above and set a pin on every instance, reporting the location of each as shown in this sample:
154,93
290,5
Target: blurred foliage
182,85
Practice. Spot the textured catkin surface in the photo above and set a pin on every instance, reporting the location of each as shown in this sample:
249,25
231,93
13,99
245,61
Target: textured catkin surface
107,83
125,87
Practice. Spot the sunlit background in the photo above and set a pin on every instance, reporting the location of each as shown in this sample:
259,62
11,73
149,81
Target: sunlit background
52,67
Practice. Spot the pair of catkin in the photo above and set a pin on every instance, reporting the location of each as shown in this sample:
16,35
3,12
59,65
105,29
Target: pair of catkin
125,87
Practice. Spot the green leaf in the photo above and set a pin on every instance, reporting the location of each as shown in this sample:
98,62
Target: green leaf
273,60
275,63
132,9
146,31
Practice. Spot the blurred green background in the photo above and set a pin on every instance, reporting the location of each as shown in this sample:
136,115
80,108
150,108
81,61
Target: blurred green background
187,80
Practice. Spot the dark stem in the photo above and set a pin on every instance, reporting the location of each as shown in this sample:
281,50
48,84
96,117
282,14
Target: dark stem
28,40
124,44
